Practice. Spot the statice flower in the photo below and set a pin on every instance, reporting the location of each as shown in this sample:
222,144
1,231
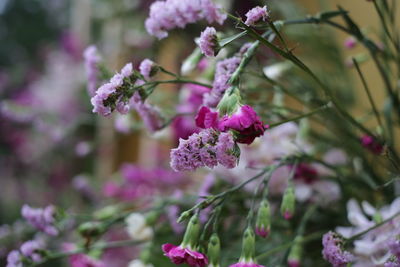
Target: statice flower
14,259
204,149
224,70
42,219
31,249
333,250
394,247
112,95
208,42
170,14
150,115
147,68
92,59
256,14
245,122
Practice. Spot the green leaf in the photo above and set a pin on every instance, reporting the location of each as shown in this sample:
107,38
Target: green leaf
330,14
225,41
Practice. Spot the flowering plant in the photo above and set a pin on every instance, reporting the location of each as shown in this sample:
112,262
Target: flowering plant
262,132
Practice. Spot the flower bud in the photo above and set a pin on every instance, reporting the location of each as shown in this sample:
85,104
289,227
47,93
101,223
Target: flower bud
91,229
230,102
192,232
288,203
214,248
106,212
248,247
295,253
263,220
184,216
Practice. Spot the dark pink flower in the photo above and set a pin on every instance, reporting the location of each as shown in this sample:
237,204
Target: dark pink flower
372,144
246,264
262,231
180,255
246,122
206,118
306,173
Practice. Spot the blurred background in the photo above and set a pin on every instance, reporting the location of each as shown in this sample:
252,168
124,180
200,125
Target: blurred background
52,148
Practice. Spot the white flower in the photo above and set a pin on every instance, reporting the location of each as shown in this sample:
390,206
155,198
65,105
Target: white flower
139,263
137,227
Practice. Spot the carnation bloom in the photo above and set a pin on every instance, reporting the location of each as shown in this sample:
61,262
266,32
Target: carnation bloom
333,250
92,59
41,219
208,42
256,14
245,122
206,118
246,264
207,148
179,255
224,70
171,14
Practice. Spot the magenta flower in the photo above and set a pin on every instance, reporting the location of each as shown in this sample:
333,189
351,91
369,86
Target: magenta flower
246,122
180,255
350,42
333,250
246,264
171,14
256,14
372,144
305,173
262,231
206,118
42,219
208,42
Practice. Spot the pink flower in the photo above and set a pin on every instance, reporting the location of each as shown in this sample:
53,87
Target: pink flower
208,42
372,144
246,122
246,264
206,118
256,14
350,42
262,231
180,255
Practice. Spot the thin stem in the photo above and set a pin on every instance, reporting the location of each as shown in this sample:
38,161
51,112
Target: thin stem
354,237
367,90
301,116
311,237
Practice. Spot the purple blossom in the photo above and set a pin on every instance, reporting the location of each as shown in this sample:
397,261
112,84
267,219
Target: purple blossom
333,250
110,96
146,68
179,255
14,259
203,149
31,249
394,247
171,14
150,115
42,219
208,42
224,70
92,59
256,14
392,264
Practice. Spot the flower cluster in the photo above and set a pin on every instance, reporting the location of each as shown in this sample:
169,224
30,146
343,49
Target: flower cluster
207,148
92,59
333,250
30,250
42,219
256,14
223,72
171,14
208,42
112,95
